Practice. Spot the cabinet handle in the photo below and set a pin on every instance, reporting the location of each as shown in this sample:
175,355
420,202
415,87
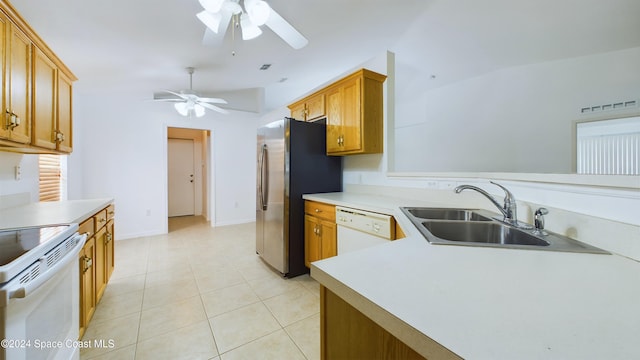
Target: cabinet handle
12,120
59,137
88,263
103,220
318,210
109,238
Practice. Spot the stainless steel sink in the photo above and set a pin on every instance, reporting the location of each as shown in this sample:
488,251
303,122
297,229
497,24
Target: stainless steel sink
481,232
448,214
467,227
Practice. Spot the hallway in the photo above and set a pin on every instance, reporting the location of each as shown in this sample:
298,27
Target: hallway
202,293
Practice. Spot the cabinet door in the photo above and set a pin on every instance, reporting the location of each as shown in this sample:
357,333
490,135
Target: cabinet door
19,84
298,112
109,250
352,116
312,242
315,107
99,263
87,284
4,31
44,99
329,246
64,124
334,119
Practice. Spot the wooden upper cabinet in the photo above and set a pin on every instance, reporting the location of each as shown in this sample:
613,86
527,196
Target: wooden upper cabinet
45,75
309,109
64,113
335,103
353,107
16,97
355,114
36,91
315,107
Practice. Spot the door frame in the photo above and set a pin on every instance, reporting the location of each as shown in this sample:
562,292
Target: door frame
209,168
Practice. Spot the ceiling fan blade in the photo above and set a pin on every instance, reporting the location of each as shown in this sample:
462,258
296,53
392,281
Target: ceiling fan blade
214,35
286,31
212,100
169,100
213,107
181,96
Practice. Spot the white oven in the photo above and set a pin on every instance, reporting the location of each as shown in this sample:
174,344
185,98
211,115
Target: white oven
39,292
358,229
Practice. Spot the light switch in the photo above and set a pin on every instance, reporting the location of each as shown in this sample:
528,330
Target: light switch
18,172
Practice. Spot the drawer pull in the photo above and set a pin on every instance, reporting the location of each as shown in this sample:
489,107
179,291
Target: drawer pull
318,210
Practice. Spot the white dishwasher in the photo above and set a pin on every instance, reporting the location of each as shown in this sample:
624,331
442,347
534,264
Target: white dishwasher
358,229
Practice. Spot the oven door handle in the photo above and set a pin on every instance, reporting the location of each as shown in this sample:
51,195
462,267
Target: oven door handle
26,290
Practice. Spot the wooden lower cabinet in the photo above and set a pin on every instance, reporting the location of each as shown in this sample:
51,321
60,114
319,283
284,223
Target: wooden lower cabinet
320,231
101,278
346,333
320,239
399,233
87,284
96,262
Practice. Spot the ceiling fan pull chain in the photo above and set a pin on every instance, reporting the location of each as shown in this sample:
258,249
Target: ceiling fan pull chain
234,26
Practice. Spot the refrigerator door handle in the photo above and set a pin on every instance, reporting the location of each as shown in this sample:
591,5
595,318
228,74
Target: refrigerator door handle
264,177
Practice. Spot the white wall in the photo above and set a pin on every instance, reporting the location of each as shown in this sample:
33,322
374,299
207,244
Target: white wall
28,182
122,139
517,119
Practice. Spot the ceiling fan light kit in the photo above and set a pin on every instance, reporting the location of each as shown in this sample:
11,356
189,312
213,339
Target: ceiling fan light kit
218,13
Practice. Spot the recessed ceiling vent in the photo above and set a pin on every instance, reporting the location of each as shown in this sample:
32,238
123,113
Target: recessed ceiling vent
265,66
613,106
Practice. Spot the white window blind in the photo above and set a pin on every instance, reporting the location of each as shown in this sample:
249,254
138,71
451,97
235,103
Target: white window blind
50,177
609,147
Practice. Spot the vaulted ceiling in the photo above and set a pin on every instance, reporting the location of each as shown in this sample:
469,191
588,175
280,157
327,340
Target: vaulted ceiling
146,44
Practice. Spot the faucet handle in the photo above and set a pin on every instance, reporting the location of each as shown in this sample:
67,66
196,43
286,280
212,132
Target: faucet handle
539,220
508,195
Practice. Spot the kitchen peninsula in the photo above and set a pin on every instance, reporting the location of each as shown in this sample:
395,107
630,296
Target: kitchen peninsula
448,302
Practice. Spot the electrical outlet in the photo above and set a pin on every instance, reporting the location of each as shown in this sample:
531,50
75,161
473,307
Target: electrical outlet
18,172
447,185
432,184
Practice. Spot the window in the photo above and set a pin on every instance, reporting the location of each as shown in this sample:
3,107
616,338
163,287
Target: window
50,177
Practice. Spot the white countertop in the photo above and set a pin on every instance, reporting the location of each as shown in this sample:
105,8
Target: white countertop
48,213
486,303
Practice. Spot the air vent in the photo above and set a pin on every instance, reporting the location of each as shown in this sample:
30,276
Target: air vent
613,106
30,275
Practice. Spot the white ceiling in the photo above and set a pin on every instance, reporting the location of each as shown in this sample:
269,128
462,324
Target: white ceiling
146,44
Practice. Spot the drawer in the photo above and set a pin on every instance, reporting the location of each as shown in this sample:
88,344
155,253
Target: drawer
111,212
321,210
88,227
101,219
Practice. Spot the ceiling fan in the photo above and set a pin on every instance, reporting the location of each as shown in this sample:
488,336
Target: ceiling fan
188,102
218,13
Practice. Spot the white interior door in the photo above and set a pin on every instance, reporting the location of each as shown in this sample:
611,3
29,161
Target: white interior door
181,177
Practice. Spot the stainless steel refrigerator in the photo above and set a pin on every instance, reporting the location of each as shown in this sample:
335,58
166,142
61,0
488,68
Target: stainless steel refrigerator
292,161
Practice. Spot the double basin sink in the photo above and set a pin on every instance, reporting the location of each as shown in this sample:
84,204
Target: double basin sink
444,226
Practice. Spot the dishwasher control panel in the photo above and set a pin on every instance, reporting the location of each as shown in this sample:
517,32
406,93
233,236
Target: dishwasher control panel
369,222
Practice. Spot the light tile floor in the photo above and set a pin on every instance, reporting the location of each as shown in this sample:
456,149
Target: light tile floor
202,293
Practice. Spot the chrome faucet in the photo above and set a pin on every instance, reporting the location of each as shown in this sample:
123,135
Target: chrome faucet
509,210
